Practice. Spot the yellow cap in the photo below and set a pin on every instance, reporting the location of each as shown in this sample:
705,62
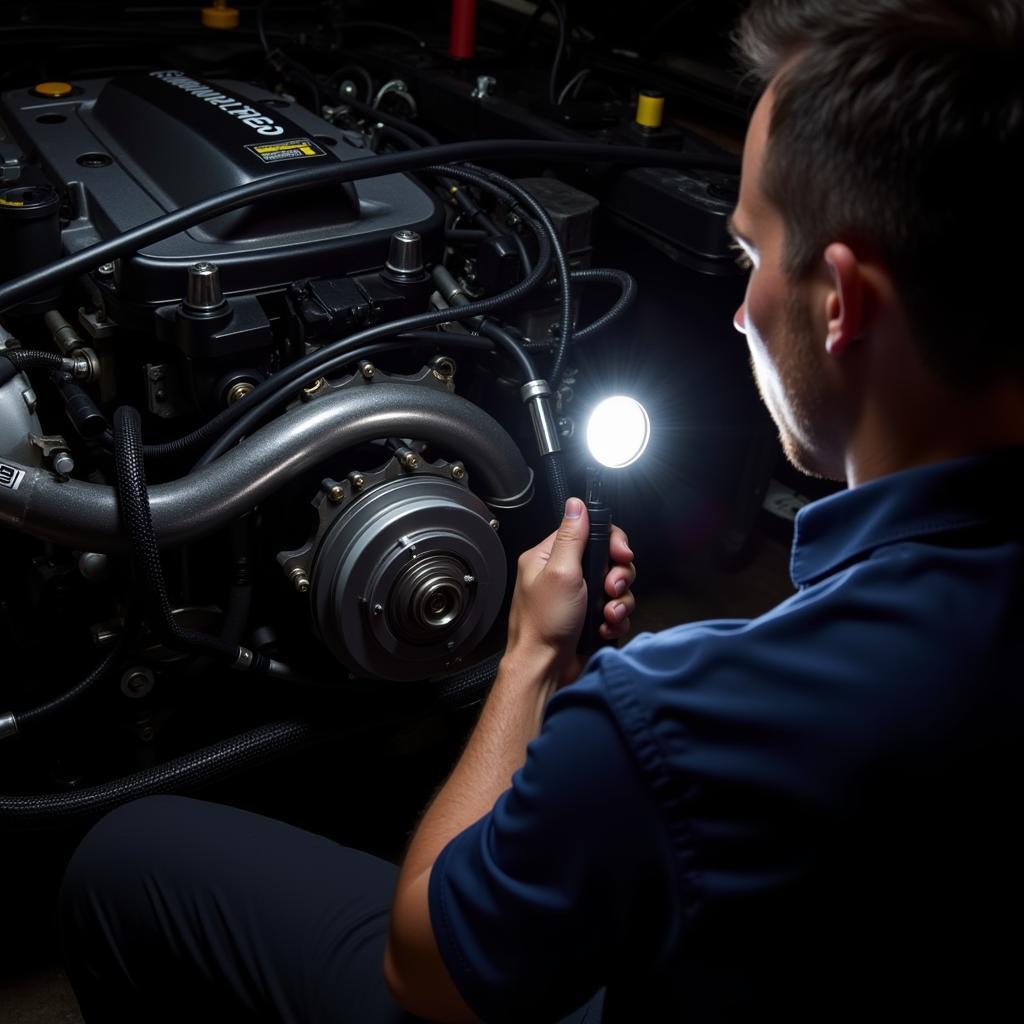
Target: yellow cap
649,109
220,15
55,90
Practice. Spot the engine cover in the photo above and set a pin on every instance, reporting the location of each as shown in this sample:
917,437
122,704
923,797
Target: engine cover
128,150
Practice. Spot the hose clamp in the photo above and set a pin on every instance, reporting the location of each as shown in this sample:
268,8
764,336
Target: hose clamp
536,395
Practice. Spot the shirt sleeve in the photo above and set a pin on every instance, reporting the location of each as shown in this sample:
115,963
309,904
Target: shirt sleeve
559,887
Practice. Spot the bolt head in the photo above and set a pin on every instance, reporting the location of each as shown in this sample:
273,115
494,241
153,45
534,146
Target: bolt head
410,460
357,480
368,371
63,463
336,493
458,472
494,524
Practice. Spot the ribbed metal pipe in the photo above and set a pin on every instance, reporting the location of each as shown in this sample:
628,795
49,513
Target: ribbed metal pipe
86,515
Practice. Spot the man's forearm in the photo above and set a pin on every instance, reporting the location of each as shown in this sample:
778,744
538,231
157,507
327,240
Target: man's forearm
510,718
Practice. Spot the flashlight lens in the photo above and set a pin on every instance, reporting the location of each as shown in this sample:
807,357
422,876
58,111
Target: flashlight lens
618,431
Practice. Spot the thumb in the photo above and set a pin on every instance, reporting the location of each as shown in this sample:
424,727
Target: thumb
570,537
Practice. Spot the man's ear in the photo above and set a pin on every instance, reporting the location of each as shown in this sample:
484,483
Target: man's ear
844,302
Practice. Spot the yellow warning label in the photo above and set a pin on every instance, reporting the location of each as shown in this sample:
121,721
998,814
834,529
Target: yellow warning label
10,202
293,149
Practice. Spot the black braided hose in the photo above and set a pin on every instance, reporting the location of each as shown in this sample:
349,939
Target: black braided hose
246,751
133,502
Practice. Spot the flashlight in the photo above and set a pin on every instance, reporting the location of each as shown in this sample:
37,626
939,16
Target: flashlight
617,434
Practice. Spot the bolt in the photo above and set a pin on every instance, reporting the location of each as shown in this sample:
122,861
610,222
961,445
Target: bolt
160,394
300,581
156,373
494,524
357,480
410,460
240,390
63,463
458,471
367,370
378,609
468,580
336,494
105,268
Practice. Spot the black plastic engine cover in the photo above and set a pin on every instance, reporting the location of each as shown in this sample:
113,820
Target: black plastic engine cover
130,149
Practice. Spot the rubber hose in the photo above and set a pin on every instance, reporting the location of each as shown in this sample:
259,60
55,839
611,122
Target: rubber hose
31,359
227,757
420,135
627,285
211,764
51,707
507,343
133,501
558,483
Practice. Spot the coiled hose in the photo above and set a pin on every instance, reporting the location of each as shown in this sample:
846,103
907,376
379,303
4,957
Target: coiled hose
228,757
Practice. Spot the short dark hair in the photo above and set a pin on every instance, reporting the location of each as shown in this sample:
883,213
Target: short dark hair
899,124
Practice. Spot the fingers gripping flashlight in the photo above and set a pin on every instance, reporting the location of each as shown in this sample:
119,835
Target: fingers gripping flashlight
617,434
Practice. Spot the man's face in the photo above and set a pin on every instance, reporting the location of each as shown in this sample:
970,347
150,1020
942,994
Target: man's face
777,316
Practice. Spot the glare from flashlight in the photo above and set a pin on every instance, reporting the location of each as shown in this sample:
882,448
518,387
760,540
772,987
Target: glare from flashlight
618,431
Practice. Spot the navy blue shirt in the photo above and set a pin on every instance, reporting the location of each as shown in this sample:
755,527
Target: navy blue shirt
812,814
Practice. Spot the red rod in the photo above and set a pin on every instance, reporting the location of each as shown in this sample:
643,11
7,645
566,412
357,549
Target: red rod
462,45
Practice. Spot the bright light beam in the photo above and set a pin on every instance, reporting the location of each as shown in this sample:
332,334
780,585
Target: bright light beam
618,431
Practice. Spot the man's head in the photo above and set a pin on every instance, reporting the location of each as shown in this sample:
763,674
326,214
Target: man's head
892,129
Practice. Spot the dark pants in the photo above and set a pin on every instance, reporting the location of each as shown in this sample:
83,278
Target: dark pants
179,910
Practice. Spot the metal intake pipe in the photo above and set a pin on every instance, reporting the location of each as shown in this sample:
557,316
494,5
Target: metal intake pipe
85,515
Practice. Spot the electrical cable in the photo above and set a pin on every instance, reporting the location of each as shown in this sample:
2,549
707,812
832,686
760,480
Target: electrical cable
574,83
65,700
625,282
559,51
391,120
170,224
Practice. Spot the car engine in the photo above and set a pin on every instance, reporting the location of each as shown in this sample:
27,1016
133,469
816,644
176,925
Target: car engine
286,384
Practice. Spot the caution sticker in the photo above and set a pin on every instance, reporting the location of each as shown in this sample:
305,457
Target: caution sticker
10,477
293,149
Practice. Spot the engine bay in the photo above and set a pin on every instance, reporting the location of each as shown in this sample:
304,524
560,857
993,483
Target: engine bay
298,330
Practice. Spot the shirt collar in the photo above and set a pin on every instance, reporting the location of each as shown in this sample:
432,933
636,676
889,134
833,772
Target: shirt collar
847,527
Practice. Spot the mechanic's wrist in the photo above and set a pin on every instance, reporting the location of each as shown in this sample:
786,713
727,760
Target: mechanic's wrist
533,664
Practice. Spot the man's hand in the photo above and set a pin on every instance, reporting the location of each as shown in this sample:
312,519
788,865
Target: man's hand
550,598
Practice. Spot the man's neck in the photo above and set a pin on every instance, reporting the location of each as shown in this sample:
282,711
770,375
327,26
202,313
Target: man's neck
935,425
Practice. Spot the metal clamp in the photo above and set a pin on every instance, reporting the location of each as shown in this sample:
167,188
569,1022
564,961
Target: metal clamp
536,396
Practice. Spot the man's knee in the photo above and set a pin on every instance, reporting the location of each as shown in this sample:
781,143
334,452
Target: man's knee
123,846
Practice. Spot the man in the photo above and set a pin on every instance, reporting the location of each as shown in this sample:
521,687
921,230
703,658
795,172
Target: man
811,814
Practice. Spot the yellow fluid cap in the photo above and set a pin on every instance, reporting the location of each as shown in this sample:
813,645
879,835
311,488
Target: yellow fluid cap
54,90
650,106
220,15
